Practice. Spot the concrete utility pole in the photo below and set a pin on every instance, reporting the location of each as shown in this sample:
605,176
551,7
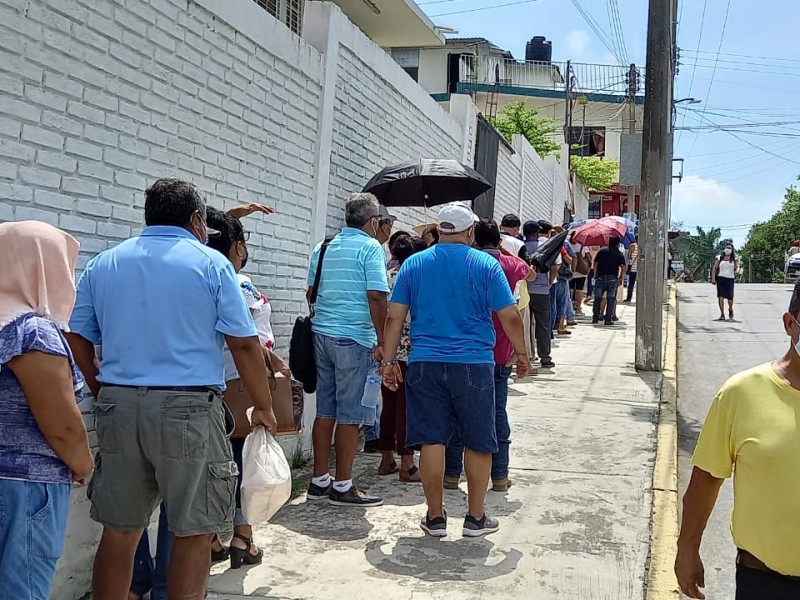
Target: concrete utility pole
567,102
656,171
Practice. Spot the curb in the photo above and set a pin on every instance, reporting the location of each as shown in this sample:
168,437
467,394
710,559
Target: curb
661,583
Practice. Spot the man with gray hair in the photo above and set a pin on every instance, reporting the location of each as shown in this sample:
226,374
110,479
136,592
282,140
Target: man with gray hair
348,320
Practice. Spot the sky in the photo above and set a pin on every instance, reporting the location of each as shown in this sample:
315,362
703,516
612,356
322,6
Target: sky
732,179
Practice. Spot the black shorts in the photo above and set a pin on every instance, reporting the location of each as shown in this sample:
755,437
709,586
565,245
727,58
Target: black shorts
577,283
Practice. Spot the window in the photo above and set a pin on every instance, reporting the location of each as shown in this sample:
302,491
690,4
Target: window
288,12
408,59
594,210
294,15
587,141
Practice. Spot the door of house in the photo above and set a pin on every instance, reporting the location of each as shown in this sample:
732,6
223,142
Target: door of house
487,145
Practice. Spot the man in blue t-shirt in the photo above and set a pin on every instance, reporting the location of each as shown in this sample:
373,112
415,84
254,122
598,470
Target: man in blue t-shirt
452,290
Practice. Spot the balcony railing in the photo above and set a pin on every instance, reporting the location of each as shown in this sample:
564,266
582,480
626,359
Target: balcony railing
586,78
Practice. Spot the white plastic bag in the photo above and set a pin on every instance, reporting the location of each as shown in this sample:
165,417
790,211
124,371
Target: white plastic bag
266,477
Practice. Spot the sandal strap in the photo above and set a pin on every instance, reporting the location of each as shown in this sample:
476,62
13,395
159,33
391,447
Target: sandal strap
245,539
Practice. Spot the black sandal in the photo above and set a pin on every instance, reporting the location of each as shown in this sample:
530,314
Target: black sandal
219,555
239,555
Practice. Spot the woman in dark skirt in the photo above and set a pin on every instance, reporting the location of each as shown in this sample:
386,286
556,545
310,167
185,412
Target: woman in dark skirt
723,275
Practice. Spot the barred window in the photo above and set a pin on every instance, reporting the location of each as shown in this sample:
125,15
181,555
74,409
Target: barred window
288,12
294,15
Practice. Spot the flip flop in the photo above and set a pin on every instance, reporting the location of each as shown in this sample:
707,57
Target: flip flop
391,470
408,476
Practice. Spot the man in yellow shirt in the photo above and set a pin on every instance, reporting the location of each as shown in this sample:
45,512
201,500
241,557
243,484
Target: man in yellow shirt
752,432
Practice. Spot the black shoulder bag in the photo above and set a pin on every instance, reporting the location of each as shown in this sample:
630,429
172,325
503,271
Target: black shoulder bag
301,347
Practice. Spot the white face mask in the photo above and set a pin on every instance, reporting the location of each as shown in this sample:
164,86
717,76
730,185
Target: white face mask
728,251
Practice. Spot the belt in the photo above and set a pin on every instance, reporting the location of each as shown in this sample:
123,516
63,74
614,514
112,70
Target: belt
196,389
745,559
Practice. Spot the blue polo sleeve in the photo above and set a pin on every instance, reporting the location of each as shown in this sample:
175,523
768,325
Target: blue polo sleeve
500,295
375,267
84,318
312,265
233,315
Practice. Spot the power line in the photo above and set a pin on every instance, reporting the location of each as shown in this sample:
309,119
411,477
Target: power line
595,27
777,58
714,71
694,67
471,10
615,25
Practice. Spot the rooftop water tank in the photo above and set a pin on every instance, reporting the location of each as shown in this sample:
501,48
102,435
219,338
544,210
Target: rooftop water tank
539,49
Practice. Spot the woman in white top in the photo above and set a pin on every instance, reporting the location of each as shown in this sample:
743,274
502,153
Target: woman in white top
723,274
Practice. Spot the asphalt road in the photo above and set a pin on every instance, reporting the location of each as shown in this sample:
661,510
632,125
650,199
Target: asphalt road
708,353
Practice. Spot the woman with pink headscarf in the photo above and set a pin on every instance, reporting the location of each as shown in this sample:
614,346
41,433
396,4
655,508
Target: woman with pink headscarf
43,447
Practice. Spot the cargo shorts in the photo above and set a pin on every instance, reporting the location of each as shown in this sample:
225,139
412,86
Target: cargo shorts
165,445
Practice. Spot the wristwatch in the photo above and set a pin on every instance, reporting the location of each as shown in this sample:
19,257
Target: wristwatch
389,363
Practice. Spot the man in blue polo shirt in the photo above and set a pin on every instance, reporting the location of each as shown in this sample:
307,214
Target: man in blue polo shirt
160,304
348,337
452,290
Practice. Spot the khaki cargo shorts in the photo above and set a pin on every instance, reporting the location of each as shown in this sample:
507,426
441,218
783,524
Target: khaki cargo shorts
163,445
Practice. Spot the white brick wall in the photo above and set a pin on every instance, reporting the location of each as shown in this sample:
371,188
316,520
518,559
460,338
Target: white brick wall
509,176
101,98
376,124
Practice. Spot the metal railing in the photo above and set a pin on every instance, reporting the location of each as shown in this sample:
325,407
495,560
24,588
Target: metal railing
586,78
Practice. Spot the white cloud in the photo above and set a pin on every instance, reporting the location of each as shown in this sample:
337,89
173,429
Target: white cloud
704,202
581,46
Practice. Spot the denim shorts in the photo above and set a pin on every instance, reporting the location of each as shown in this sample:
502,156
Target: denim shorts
342,368
159,445
33,519
442,398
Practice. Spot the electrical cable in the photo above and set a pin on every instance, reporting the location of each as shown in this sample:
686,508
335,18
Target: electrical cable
714,71
694,67
481,8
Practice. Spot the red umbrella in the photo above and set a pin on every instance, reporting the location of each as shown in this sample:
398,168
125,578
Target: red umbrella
597,233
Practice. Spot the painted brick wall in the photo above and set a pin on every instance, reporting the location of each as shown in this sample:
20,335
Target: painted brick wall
100,98
538,187
509,173
376,124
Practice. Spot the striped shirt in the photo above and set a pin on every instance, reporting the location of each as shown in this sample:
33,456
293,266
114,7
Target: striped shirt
354,264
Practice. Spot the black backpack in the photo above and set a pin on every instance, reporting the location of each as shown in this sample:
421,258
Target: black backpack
301,347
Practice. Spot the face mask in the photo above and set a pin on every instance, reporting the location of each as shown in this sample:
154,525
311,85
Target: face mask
797,343
246,257
375,228
728,251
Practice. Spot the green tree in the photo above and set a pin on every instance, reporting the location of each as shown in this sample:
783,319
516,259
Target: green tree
519,118
699,251
763,255
594,172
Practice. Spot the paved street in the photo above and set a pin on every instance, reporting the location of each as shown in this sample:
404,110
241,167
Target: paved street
574,525
708,353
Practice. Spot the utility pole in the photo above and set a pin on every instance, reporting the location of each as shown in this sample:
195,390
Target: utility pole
656,171
567,102
633,87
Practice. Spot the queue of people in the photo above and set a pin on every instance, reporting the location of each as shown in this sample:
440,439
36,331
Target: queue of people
174,342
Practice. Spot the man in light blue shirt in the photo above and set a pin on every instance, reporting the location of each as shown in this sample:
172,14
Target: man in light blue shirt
451,291
160,304
348,324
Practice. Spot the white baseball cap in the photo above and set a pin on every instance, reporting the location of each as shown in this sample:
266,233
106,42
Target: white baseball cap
456,217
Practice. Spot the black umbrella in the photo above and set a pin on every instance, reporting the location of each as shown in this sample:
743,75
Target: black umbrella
427,182
546,254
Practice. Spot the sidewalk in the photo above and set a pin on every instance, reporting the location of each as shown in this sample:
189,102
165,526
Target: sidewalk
574,525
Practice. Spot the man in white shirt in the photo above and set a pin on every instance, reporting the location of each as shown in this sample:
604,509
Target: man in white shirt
509,230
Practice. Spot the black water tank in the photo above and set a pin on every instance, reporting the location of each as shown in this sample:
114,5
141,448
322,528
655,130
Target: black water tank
539,49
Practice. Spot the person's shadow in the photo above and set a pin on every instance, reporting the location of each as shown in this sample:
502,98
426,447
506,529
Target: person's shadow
431,559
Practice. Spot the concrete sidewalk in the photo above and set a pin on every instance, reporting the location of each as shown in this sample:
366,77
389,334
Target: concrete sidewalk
576,523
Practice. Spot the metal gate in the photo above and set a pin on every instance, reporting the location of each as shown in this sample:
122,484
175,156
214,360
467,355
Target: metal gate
487,145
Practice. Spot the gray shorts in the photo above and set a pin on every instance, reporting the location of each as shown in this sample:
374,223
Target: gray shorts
162,445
